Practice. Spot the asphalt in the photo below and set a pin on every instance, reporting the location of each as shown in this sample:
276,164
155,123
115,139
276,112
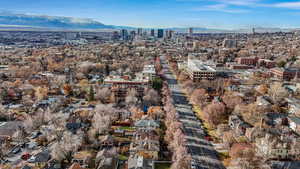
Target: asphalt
203,154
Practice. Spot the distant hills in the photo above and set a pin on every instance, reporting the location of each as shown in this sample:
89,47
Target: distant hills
12,21
9,20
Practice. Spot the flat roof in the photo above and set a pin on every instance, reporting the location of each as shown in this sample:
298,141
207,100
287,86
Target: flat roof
197,65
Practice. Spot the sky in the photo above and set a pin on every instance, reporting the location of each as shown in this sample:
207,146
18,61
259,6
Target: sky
221,14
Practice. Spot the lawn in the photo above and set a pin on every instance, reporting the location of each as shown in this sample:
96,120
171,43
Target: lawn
122,157
162,166
127,128
199,113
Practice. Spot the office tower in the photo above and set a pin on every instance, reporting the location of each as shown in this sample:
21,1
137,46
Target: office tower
124,34
253,30
152,32
229,43
132,35
191,31
160,33
140,31
115,35
169,34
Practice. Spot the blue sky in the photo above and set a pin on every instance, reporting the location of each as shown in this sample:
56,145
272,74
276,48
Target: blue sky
225,14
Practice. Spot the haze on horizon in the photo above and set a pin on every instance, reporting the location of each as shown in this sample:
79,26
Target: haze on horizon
221,14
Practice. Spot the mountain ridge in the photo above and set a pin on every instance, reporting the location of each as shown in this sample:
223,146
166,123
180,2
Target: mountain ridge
43,22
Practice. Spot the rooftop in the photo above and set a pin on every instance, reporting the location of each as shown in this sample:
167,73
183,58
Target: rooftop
199,66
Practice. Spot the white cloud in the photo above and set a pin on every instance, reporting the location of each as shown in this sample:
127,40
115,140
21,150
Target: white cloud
220,8
229,2
290,5
239,2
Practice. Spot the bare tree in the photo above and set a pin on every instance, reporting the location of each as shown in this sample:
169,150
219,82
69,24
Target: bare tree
231,100
151,98
277,92
41,93
198,97
103,94
181,159
214,113
103,118
131,98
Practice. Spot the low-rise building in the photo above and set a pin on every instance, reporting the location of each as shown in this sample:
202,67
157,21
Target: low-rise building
247,60
285,74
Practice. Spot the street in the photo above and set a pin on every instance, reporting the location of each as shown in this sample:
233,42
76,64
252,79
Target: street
204,156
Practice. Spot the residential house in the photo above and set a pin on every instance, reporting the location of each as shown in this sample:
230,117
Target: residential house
76,166
8,129
263,101
272,146
293,105
238,125
294,123
146,124
106,159
107,141
84,158
147,147
139,162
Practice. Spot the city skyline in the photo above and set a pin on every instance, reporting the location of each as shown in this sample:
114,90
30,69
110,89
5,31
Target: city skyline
220,14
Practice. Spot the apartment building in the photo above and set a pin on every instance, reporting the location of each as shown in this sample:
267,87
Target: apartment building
199,70
120,85
149,72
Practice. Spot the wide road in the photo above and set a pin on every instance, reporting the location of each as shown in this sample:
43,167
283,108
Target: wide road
204,156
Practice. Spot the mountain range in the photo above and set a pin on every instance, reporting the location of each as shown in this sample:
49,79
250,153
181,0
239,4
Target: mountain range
12,21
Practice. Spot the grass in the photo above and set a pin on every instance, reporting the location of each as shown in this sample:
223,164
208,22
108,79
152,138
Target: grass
127,128
122,157
210,130
162,166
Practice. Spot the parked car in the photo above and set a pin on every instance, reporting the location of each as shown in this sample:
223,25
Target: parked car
31,159
25,156
35,134
16,150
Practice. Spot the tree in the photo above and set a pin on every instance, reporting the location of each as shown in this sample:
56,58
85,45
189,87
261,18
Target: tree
251,113
103,117
91,96
155,112
151,98
137,113
131,98
214,113
281,63
231,100
41,93
67,89
189,86
103,94
277,92
68,144
183,77
28,124
181,158
262,89
198,97
157,83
